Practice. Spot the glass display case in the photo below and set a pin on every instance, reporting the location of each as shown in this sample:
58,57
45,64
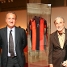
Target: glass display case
38,25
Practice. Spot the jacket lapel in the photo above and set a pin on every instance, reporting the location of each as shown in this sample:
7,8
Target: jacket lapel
5,39
65,37
5,35
56,38
16,35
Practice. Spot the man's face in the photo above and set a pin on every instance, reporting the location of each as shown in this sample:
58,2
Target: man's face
10,20
59,24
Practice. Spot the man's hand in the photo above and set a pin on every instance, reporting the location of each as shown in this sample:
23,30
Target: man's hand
50,65
64,63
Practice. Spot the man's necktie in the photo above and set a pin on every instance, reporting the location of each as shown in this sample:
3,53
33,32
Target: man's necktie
11,44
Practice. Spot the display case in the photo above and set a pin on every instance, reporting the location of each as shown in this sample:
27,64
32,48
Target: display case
38,25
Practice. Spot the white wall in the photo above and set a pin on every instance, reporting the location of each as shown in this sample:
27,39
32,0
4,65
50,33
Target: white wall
58,11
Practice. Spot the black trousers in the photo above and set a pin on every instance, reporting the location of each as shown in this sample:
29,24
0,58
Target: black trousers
12,62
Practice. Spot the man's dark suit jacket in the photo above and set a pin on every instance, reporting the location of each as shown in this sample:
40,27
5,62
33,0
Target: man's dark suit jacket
56,54
20,42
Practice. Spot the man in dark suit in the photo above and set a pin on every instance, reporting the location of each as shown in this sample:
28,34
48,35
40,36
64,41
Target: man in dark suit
12,56
58,42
